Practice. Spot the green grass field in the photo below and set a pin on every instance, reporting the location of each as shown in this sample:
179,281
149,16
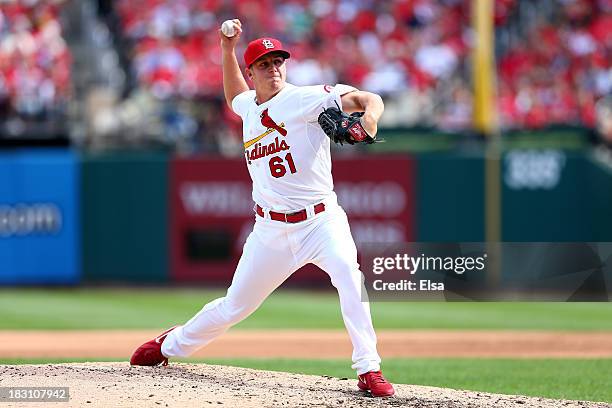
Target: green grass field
581,379
30,309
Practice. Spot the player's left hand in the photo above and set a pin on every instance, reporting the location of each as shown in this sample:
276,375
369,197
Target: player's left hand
370,125
341,127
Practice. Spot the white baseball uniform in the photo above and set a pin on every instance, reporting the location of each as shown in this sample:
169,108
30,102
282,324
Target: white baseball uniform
289,161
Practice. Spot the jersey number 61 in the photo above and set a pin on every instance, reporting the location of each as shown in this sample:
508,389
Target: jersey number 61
278,169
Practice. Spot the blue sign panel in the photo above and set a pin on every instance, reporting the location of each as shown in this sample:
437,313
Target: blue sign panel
39,217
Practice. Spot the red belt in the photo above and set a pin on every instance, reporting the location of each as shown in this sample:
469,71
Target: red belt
290,218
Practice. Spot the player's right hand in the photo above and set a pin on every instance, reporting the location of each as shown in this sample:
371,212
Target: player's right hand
229,43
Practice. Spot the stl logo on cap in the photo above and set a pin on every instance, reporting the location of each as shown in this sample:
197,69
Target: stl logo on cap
260,47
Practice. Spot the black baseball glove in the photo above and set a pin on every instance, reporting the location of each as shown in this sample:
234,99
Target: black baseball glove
342,127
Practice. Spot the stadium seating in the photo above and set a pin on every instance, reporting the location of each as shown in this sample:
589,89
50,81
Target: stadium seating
35,65
553,67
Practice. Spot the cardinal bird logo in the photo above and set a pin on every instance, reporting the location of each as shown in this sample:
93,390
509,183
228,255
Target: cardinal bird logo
269,123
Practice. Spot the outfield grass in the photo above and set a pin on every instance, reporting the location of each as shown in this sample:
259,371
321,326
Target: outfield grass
158,308
566,379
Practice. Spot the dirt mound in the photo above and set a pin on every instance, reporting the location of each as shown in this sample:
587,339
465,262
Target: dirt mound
191,385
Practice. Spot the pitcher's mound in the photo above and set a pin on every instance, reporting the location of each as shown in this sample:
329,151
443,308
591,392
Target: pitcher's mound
200,385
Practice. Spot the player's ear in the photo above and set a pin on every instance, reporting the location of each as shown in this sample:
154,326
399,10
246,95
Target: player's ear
248,72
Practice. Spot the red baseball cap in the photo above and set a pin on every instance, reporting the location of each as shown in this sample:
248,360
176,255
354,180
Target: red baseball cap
262,46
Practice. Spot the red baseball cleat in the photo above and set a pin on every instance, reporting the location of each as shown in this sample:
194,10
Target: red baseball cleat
149,354
374,382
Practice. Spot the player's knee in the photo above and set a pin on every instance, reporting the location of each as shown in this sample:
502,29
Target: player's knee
348,267
235,312
344,272
236,315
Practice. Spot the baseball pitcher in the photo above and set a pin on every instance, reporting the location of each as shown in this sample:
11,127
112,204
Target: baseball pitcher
287,132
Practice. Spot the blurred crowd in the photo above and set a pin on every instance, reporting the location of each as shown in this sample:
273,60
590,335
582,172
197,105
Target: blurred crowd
35,63
414,53
553,59
561,68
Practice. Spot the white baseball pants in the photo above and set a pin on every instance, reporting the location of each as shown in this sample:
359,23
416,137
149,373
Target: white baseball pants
272,252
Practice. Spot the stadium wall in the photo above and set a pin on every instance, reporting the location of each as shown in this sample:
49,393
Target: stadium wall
150,217
125,217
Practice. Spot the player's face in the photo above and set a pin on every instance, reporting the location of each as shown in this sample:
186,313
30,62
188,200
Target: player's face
269,72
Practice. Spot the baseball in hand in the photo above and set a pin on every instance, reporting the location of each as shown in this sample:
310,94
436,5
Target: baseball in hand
227,28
